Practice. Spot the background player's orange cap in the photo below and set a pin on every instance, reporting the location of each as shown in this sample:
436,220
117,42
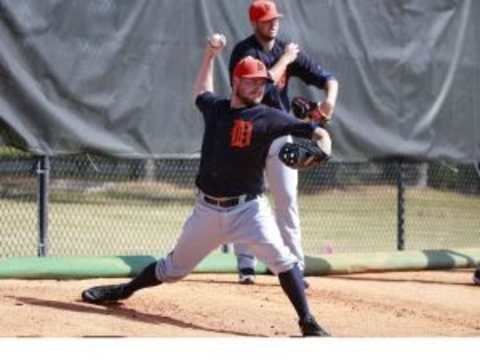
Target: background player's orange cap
250,67
263,10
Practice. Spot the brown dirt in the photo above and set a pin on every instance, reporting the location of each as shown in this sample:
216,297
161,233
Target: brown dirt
405,304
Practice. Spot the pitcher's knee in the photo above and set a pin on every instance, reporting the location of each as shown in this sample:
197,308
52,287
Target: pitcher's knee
168,272
282,266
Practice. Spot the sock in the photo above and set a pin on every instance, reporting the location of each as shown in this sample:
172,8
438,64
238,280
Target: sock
146,278
292,283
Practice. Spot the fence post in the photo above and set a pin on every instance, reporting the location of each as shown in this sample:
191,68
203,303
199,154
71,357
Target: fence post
400,207
43,172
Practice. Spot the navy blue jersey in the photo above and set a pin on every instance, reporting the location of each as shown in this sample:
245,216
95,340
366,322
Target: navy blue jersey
304,68
236,142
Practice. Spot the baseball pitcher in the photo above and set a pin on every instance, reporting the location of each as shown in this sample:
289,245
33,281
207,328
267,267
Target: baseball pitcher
230,204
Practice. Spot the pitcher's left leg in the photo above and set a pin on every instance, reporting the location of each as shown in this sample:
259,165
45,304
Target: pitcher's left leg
256,228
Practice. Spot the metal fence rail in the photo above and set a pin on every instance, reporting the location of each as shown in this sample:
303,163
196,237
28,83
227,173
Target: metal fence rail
94,205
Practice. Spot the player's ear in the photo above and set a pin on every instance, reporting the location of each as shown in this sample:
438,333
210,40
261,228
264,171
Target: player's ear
236,82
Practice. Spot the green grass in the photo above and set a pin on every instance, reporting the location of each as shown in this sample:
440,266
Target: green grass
365,219
134,219
10,152
442,219
361,219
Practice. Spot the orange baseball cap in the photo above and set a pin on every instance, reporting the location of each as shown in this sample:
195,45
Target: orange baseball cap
263,10
250,67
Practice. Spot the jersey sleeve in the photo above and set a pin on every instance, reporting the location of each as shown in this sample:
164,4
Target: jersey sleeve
309,71
281,124
206,103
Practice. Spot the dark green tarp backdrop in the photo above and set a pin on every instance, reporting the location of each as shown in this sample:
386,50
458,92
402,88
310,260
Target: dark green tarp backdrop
115,76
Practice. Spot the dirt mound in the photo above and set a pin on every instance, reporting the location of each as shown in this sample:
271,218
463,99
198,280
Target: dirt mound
409,304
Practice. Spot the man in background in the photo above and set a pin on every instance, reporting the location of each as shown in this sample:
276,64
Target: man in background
283,60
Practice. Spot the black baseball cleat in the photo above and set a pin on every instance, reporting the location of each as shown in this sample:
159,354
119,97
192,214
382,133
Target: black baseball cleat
310,328
106,294
476,277
246,276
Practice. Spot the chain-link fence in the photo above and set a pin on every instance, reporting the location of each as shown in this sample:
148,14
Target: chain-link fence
18,204
103,206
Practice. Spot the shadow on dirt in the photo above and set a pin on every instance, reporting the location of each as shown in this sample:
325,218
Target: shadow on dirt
229,282
120,311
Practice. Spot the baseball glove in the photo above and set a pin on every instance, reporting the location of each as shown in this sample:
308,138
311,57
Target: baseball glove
305,109
302,154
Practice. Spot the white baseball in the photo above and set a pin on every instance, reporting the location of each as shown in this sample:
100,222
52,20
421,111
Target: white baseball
217,40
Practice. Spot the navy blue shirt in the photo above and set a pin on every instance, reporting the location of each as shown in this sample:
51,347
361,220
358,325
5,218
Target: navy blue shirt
236,142
303,67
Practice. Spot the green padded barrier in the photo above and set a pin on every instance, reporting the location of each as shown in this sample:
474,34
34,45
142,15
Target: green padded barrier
124,266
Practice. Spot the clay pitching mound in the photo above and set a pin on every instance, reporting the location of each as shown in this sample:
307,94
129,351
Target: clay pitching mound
405,304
